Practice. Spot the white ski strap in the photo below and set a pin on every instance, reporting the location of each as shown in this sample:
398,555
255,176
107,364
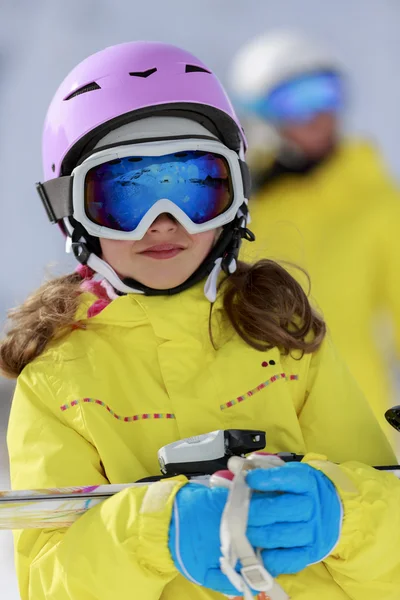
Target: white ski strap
234,543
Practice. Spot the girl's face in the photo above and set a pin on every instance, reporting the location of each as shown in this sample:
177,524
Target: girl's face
165,257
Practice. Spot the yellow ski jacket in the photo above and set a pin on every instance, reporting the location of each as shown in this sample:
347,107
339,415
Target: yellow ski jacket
97,405
342,224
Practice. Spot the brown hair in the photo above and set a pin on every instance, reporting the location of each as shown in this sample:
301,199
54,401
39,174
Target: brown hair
268,308
47,314
264,303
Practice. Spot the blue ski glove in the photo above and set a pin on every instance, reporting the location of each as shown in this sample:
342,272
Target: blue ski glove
194,533
194,538
305,517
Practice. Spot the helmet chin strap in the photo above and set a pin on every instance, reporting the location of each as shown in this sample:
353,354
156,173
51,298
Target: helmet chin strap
100,266
210,287
222,257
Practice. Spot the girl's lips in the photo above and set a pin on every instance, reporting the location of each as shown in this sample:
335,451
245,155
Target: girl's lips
162,251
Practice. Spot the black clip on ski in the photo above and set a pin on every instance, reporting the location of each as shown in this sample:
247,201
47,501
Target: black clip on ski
210,452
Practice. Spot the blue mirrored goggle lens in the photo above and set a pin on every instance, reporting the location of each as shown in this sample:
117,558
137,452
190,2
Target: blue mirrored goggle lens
302,98
120,192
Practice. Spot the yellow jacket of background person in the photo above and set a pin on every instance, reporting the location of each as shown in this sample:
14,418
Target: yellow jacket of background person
341,222
150,364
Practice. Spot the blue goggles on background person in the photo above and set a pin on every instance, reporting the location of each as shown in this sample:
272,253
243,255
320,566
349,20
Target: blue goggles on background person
118,192
299,99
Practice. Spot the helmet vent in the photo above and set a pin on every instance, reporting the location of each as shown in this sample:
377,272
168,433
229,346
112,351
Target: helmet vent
86,88
196,69
143,73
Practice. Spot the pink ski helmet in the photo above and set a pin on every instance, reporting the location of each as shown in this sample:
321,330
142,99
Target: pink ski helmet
127,82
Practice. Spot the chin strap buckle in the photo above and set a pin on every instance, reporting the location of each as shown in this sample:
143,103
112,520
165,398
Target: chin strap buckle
239,233
81,252
79,246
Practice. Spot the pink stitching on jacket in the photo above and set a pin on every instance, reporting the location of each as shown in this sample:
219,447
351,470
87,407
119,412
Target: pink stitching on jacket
260,387
127,419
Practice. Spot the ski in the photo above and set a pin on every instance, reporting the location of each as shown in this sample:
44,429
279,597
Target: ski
61,507
56,507
198,458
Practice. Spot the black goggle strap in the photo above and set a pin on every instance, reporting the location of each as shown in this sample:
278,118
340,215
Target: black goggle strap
56,197
246,178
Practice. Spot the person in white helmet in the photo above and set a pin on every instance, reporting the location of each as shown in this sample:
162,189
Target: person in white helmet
323,202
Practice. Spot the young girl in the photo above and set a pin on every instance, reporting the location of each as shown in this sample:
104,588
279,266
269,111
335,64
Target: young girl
161,334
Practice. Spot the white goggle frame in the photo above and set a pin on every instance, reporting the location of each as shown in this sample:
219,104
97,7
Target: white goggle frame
157,148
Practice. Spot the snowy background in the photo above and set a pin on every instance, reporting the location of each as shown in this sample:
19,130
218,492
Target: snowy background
41,40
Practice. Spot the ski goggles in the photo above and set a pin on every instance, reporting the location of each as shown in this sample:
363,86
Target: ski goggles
301,98
118,192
